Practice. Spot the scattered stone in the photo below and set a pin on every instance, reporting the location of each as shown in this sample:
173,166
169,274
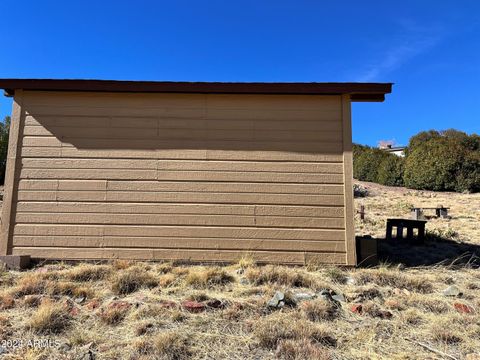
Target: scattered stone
339,297
277,301
215,304
92,304
299,297
74,311
193,306
3,350
89,355
452,290
392,304
357,308
280,299
119,305
350,280
65,347
331,296
383,314
80,299
463,308
87,352
244,281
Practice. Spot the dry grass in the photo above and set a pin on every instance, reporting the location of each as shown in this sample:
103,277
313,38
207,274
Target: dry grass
49,318
131,280
393,277
301,350
208,277
130,310
320,310
271,330
169,345
113,315
87,272
278,275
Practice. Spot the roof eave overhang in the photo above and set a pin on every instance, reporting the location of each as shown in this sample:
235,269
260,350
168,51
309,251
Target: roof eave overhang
357,91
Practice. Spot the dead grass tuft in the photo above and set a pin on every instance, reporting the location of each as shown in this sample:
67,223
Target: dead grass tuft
444,334
113,315
131,280
428,304
280,275
167,280
88,272
277,327
394,278
412,317
67,288
164,268
30,284
6,301
144,328
246,261
198,296
300,350
120,264
319,310
50,318
336,275
171,345
209,277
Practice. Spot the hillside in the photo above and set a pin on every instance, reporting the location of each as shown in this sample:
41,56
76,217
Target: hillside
126,310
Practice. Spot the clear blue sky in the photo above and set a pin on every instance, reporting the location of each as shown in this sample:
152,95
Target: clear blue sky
429,49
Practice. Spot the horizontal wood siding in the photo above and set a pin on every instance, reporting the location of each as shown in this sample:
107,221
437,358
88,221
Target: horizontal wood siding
179,176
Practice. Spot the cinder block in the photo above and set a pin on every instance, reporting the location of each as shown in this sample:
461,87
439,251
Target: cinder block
367,251
15,262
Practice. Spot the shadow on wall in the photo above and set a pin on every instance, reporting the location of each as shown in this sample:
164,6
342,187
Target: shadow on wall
149,133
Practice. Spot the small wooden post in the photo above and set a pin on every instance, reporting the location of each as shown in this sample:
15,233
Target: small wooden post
362,212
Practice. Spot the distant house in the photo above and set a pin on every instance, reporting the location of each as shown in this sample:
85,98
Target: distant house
396,150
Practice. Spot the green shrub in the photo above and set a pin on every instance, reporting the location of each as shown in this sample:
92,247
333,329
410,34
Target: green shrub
432,166
468,177
366,162
375,165
4,131
390,171
443,161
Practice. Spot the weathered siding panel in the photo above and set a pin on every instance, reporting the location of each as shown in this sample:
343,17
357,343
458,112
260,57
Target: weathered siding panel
179,176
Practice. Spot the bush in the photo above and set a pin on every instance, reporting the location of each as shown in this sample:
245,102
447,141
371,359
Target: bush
468,177
4,131
446,160
378,166
390,171
366,162
443,161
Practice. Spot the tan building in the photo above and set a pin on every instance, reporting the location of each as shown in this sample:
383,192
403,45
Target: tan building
190,171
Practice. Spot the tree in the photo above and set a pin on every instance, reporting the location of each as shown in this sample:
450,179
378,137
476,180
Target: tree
4,131
390,171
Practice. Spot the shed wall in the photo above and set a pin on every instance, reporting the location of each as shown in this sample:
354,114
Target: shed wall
182,176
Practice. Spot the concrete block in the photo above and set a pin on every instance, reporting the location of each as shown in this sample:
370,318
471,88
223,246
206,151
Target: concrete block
367,251
15,262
